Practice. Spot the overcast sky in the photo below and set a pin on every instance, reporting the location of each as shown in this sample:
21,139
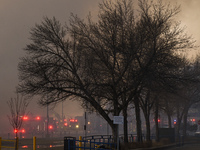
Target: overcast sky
18,16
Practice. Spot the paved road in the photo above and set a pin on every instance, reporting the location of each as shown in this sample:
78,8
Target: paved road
187,147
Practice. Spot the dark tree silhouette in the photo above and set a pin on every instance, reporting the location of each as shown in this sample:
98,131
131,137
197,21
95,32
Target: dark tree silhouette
104,64
17,108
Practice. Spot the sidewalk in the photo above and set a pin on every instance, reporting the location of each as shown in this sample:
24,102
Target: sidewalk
165,147
187,145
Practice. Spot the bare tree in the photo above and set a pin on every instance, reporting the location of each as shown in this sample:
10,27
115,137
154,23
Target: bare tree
88,64
17,108
103,64
188,95
161,40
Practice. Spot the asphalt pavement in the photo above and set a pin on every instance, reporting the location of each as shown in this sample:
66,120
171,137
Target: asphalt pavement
195,146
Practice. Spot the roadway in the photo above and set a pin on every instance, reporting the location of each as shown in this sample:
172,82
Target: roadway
195,146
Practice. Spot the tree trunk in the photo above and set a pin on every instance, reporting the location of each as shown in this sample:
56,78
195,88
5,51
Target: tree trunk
125,125
138,120
16,142
185,122
156,120
114,128
178,123
146,106
148,130
169,120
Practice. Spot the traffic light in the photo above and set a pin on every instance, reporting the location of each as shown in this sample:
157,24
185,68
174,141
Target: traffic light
37,118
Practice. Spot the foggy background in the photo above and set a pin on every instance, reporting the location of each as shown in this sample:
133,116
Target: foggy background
17,17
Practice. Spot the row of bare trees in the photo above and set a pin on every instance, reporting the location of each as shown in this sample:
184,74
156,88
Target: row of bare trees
124,58
174,102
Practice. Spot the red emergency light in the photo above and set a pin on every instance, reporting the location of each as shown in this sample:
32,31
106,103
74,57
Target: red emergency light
50,127
23,131
73,120
25,118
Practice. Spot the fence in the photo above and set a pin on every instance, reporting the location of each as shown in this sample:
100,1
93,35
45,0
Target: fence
69,143
8,143
41,143
96,142
33,143
91,143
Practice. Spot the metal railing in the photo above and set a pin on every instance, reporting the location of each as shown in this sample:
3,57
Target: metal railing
91,143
